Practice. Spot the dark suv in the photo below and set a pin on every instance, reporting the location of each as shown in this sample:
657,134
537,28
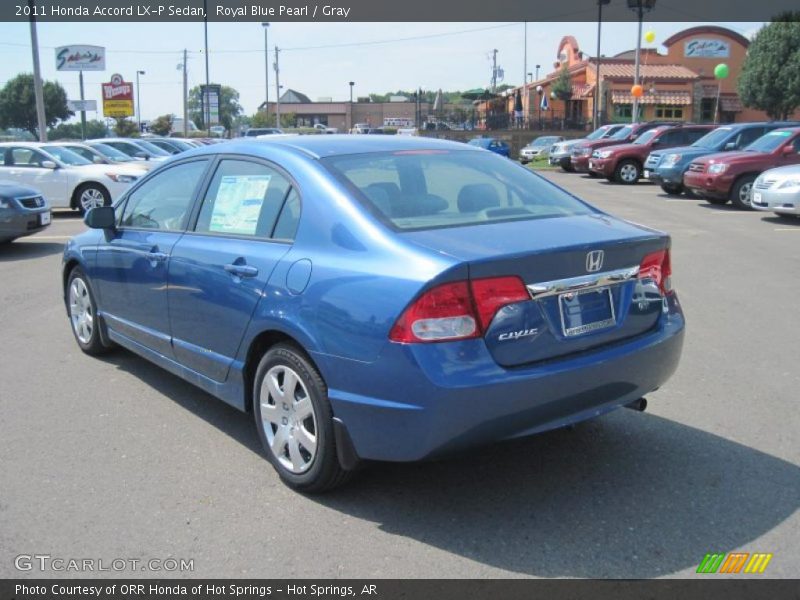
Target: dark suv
667,168
627,134
623,163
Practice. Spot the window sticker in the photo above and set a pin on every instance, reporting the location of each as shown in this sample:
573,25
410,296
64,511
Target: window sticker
238,204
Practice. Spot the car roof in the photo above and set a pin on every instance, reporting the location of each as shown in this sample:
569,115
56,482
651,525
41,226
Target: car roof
320,146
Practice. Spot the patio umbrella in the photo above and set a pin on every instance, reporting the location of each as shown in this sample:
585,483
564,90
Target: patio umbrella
438,103
518,102
478,94
544,104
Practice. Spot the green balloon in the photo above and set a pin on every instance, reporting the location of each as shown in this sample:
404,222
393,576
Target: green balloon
721,71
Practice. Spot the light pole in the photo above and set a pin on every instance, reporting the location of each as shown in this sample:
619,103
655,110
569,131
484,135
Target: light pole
537,72
138,105
596,119
539,90
530,77
266,67
640,6
352,83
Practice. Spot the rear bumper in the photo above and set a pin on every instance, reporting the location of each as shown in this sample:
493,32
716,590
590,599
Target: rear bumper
438,398
710,186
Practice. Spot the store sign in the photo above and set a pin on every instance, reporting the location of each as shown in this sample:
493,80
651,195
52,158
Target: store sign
707,49
117,97
81,105
210,98
80,58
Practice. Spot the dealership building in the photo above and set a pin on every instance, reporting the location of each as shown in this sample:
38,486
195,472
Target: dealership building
678,84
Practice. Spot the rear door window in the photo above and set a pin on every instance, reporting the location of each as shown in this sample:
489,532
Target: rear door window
748,135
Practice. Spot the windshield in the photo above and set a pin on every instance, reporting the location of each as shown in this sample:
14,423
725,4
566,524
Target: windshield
111,153
479,142
431,189
68,157
713,139
646,137
152,148
769,141
622,133
544,141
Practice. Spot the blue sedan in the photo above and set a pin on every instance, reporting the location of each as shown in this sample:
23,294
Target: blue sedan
376,298
492,145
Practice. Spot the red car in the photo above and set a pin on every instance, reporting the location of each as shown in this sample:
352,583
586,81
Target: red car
581,153
623,163
730,175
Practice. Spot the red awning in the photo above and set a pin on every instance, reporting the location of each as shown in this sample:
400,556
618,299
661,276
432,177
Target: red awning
668,98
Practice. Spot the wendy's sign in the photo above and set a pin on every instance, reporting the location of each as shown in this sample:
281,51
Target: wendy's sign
80,58
117,97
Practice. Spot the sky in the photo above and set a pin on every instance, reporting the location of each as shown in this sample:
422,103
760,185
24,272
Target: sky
450,56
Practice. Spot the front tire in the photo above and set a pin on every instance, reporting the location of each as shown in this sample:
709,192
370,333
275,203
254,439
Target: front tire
672,189
83,313
593,175
741,192
627,172
294,420
91,195
566,165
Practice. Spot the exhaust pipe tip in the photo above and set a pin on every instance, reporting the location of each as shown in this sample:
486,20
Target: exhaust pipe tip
638,405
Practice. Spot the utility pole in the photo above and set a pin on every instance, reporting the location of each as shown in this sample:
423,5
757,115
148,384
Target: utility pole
525,70
266,67
494,70
635,115
596,120
83,112
205,102
185,95
138,105
277,90
37,78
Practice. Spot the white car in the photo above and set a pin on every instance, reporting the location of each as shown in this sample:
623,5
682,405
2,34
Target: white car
778,190
65,179
104,155
325,128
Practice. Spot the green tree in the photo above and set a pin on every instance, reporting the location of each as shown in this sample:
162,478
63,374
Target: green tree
126,128
770,77
18,104
72,131
162,125
562,86
229,107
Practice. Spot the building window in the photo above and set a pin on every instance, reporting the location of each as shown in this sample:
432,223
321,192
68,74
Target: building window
707,106
669,112
623,110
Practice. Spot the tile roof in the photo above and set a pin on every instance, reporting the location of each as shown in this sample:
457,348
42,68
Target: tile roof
627,71
669,98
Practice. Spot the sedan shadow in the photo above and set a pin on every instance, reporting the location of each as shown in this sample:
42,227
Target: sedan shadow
787,220
629,495
19,250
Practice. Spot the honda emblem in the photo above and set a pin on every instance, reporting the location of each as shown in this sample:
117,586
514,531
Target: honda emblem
594,261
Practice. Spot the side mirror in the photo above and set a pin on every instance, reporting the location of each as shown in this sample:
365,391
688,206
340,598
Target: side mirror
98,161
49,164
729,146
788,150
142,155
100,217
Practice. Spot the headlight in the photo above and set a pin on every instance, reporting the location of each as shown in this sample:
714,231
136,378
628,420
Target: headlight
718,168
670,160
605,153
5,203
789,183
121,178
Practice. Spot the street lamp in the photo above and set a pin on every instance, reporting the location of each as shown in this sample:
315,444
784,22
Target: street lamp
138,105
352,83
530,77
266,67
640,6
537,72
539,91
596,119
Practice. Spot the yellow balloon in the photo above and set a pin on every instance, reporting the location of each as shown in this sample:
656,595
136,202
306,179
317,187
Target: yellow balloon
650,37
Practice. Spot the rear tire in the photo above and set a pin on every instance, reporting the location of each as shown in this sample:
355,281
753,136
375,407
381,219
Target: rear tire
672,189
294,420
742,191
85,323
627,172
716,201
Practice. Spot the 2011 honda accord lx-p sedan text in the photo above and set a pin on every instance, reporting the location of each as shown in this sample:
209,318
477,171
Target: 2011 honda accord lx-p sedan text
376,298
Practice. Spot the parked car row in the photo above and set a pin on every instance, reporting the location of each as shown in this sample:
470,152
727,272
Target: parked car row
716,163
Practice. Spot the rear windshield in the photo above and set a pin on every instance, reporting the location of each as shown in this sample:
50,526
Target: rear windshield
430,189
769,141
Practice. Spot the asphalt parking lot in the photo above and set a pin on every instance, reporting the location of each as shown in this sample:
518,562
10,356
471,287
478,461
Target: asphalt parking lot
115,458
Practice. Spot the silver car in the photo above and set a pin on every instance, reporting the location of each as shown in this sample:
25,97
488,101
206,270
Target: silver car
23,211
778,190
538,147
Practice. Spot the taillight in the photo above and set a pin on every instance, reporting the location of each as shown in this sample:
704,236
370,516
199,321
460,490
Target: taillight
457,311
657,266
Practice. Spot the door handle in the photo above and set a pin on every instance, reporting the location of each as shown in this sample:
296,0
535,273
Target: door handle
238,270
155,256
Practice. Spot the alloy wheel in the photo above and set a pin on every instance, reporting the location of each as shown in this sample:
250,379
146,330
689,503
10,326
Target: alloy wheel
80,311
91,198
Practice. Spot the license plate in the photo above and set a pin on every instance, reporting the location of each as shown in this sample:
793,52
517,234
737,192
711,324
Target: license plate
646,175
757,197
586,311
44,218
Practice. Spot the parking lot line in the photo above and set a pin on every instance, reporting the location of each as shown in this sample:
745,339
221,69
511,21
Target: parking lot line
45,237
787,229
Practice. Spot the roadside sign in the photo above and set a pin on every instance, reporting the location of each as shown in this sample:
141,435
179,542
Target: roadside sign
79,105
117,97
80,58
211,95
